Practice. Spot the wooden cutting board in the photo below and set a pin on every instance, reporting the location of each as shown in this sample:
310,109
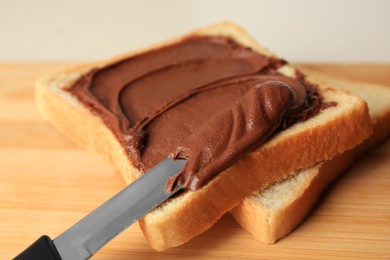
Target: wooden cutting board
47,184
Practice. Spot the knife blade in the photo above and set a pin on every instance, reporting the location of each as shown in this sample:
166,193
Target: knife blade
87,236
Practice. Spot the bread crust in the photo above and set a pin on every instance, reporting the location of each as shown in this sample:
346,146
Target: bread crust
269,224
188,215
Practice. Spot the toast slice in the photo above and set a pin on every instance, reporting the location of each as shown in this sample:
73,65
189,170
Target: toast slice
323,136
272,213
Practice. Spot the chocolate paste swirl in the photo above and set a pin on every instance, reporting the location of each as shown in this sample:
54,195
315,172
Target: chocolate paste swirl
206,99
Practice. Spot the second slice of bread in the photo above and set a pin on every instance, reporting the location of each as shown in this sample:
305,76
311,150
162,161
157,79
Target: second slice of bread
272,213
323,136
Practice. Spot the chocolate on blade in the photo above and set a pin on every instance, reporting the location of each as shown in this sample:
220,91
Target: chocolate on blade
236,130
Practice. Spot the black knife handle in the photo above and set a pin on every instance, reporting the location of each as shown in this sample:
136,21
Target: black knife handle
43,248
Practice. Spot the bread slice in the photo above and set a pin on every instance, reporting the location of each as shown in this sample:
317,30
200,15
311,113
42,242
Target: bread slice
272,213
178,220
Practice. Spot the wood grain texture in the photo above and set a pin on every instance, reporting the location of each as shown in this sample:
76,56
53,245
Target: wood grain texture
47,184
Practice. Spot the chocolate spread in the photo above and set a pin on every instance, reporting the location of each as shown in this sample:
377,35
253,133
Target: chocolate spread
205,99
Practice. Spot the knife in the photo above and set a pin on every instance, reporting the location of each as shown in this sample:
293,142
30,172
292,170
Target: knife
87,236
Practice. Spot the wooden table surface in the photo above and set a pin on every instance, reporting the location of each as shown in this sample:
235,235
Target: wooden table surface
47,184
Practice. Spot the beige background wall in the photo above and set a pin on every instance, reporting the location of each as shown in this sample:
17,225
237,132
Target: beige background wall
301,30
